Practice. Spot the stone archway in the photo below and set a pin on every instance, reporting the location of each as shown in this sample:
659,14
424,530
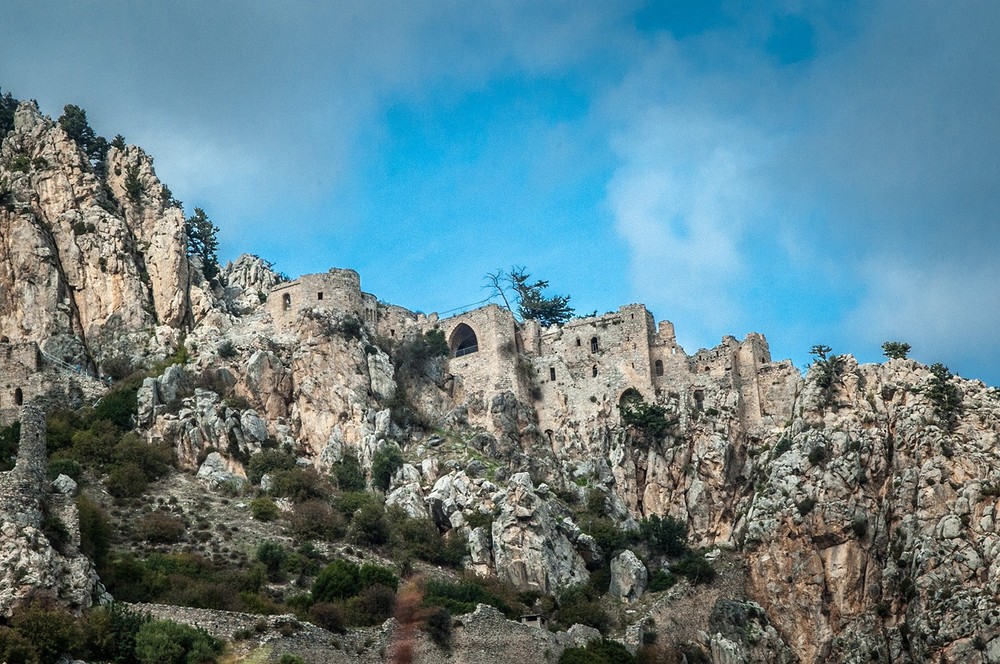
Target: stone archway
463,341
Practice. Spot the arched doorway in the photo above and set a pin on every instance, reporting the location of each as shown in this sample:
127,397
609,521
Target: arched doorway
18,397
463,341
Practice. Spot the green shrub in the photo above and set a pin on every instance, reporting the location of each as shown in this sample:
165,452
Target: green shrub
660,581
349,475
385,463
328,616
805,506
606,533
227,350
126,481
859,525
372,606
695,568
290,659
371,574
268,461
155,459
420,538
463,596
50,629
10,437
315,519
648,418
369,526
817,455
273,556
438,628
579,604
95,529
110,631
666,536
264,509
160,528
16,648
598,652
338,580
118,407
299,484
167,642
68,467
348,503
134,185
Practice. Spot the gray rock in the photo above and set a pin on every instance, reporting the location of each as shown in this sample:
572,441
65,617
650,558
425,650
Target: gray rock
65,485
628,577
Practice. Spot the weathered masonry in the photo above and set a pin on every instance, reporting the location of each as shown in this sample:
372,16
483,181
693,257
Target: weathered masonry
577,370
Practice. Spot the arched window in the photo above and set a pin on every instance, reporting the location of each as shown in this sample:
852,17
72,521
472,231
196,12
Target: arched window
286,301
595,371
593,344
463,341
699,399
629,397
18,397
658,367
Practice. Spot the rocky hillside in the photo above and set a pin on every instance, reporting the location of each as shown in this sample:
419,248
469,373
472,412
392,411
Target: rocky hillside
848,515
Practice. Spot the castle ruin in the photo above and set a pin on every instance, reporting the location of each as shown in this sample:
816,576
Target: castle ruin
579,370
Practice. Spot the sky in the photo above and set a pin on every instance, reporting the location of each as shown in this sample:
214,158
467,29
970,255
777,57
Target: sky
819,172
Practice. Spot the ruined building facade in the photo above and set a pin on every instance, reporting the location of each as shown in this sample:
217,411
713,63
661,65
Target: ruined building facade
577,371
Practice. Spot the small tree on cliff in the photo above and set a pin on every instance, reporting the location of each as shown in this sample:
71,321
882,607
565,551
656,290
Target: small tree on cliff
202,242
895,350
532,303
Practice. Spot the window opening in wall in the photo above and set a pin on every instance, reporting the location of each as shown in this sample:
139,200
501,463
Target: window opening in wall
286,301
18,397
392,333
552,373
659,367
673,351
593,344
463,341
578,341
595,371
699,399
319,296
707,369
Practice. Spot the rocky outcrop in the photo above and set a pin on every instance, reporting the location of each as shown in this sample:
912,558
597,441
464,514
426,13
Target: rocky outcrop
80,257
249,279
533,540
628,577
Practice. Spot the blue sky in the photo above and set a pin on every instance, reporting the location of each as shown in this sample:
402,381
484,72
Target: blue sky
818,172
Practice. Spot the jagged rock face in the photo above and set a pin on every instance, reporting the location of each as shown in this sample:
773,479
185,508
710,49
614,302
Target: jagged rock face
73,261
873,515
532,545
248,281
628,577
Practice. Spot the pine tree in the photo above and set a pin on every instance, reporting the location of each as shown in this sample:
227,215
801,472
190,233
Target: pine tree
202,242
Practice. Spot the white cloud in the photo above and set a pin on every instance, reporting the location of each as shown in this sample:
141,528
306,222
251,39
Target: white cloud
684,199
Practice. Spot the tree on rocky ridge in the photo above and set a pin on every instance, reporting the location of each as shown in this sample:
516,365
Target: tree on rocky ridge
895,350
532,303
202,242
7,107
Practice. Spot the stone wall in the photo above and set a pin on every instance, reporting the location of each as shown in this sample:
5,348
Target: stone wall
337,290
22,489
19,364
